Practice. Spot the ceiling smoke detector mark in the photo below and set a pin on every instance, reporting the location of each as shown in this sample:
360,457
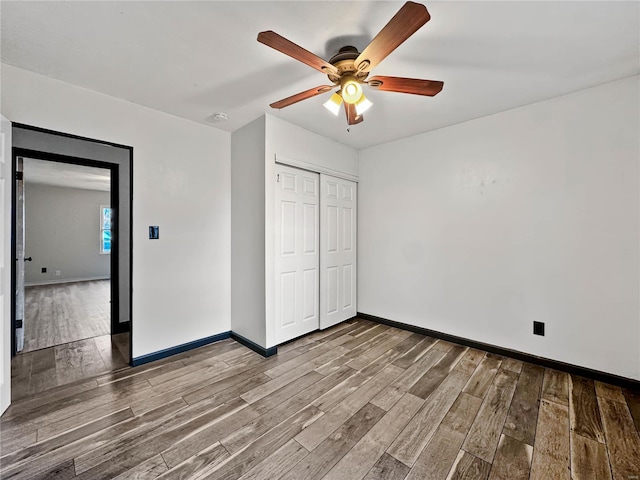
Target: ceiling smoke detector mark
218,117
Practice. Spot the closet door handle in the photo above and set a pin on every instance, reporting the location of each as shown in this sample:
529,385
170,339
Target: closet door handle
28,259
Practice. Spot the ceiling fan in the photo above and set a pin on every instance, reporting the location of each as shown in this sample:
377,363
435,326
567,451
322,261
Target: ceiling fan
349,69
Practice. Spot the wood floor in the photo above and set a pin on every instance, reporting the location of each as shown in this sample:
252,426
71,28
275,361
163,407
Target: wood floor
65,313
40,370
358,401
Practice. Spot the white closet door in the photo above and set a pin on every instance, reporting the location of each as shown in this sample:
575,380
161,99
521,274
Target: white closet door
297,252
337,250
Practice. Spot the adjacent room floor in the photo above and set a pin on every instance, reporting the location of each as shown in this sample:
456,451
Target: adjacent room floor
66,312
359,400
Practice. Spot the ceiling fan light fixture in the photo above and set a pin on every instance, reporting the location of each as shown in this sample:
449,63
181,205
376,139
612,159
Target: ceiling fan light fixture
363,105
350,88
349,69
334,103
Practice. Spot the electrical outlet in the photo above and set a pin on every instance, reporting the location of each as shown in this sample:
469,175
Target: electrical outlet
538,328
57,273
44,269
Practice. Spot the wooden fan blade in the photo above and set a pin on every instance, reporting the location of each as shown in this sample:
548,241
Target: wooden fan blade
352,117
298,97
405,23
415,86
278,42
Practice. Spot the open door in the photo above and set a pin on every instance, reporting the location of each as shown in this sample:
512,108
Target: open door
20,258
5,264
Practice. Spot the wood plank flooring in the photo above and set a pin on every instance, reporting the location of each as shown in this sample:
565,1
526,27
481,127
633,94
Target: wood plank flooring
66,312
357,401
40,370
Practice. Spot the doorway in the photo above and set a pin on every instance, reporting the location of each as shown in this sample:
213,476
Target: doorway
75,321
63,227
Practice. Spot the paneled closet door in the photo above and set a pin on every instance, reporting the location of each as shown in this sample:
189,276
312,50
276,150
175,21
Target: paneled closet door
337,250
297,252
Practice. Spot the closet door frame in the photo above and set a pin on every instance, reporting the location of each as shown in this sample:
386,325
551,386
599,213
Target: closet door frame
272,310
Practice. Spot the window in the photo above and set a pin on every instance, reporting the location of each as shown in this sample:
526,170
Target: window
105,229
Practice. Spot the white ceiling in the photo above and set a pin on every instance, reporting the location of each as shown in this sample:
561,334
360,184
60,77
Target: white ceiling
66,175
192,59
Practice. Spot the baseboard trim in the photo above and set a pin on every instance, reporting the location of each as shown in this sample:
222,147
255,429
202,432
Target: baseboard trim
265,352
167,352
66,280
121,327
506,352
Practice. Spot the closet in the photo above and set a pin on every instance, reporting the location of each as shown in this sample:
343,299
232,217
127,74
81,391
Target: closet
315,256
293,232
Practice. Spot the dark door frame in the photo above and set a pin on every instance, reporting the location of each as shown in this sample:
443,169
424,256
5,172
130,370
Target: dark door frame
114,168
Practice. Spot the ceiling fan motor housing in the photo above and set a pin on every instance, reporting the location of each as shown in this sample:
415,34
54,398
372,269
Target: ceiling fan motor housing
344,61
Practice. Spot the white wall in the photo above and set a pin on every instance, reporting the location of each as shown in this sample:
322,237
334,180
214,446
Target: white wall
294,143
479,229
247,232
181,282
62,232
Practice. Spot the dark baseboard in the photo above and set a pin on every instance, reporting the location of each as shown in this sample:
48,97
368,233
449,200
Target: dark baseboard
121,327
167,352
265,352
505,352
